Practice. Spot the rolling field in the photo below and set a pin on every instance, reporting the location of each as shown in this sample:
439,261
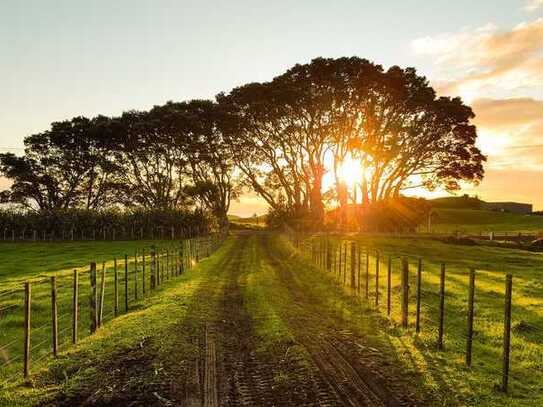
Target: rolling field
252,325
38,262
273,327
476,221
478,384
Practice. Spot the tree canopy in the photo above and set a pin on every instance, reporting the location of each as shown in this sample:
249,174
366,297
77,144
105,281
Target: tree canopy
280,138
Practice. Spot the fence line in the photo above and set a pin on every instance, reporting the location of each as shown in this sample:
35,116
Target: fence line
102,233
324,254
55,308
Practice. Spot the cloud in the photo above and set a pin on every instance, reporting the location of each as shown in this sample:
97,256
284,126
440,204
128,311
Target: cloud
499,113
533,5
475,60
511,132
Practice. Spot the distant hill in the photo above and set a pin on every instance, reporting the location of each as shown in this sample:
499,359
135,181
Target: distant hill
475,220
468,202
457,202
258,221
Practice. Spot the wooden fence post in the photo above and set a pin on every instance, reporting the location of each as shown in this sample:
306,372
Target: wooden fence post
93,298
152,266
471,299
507,331
367,274
143,270
136,276
75,307
419,288
389,283
116,287
27,330
54,315
441,307
125,283
376,279
358,268
158,266
328,256
353,265
168,276
102,293
345,264
405,292
181,257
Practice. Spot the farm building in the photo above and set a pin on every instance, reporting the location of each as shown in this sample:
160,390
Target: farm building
512,207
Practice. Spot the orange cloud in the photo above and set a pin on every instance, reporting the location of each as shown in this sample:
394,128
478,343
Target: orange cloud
499,113
511,132
473,61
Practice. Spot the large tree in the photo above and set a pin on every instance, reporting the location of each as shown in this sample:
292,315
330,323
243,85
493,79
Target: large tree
212,167
65,166
391,121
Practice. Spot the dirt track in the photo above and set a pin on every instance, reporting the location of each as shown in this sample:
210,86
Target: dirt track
320,360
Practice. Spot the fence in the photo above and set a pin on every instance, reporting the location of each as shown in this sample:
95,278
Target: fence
104,233
51,313
451,310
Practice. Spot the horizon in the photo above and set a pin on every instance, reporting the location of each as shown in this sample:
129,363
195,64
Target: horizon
98,59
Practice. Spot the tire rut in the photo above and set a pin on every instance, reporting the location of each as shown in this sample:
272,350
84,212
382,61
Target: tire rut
351,383
247,379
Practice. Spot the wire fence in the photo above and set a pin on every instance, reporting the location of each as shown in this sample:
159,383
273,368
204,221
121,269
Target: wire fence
48,314
471,316
75,233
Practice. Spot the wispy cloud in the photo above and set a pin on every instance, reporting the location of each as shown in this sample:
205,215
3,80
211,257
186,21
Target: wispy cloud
533,5
472,61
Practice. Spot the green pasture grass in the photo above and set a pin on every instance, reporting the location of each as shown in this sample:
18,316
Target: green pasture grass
475,221
445,371
37,262
147,317
27,260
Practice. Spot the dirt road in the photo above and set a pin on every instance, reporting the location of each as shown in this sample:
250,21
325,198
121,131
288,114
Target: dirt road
263,328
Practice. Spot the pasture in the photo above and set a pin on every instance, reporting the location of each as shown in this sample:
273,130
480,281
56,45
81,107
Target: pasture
480,383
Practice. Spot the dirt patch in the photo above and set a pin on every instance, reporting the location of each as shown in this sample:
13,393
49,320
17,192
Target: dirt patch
125,378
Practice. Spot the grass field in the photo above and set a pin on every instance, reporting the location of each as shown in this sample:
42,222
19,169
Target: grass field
27,260
273,320
445,371
37,262
475,221
277,319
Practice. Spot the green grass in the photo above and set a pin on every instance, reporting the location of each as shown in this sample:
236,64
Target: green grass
463,385
27,260
149,317
275,312
37,262
475,221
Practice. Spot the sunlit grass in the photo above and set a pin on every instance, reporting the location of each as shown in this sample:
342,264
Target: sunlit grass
446,371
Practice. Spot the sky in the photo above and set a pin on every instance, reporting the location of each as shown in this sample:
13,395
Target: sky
60,59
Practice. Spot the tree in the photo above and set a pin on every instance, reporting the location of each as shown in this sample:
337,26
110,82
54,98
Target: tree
153,168
391,121
211,164
66,166
412,139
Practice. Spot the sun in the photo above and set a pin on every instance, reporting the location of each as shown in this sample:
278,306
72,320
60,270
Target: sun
351,172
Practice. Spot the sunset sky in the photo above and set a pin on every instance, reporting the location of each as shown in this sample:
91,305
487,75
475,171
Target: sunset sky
61,59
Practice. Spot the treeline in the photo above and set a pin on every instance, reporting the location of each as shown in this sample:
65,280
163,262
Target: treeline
278,138
112,224
171,157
